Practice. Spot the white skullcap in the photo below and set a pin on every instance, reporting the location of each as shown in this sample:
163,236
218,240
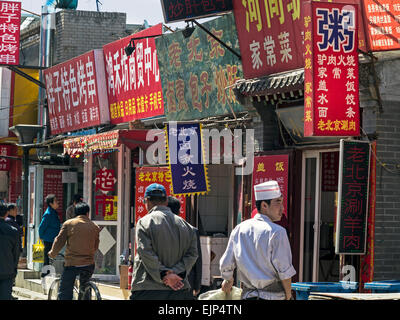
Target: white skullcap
267,190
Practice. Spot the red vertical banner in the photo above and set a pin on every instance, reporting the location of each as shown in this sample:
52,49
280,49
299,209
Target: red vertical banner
273,167
331,97
10,25
52,184
367,260
5,150
148,175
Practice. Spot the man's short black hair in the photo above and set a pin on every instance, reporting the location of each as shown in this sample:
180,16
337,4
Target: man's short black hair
258,204
156,200
174,204
50,199
77,198
11,206
3,210
82,208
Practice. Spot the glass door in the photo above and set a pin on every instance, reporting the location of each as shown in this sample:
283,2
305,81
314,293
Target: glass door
309,218
104,182
318,262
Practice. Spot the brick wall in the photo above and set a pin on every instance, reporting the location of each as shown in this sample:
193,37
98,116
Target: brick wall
78,32
387,225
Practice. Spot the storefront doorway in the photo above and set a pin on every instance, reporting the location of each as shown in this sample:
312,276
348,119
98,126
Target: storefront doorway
318,261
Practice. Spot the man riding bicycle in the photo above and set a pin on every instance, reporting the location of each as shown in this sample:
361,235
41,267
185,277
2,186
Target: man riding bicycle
82,238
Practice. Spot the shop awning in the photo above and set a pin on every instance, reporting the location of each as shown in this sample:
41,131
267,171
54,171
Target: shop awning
106,141
273,86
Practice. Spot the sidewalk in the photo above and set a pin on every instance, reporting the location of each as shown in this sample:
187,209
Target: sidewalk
28,284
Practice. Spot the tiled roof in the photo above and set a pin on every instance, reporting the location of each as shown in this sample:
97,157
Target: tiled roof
274,84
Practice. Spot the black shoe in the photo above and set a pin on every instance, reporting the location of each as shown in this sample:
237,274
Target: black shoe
14,298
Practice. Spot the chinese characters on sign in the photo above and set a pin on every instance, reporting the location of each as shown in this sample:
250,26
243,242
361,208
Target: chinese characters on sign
52,184
5,150
10,21
148,175
330,169
106,204
179,10
76,93
186,161
197,73
351,223
382,19
270,35
133,82
331,97
273,167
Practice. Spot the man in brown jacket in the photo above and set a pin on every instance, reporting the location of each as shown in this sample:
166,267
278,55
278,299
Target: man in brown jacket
82,238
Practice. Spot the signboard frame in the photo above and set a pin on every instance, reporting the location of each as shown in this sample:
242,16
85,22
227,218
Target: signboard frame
331,65
167,19
339,215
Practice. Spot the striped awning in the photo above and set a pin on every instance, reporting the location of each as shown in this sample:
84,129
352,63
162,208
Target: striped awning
106,141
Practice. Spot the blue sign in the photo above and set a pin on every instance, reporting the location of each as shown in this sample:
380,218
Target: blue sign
185,157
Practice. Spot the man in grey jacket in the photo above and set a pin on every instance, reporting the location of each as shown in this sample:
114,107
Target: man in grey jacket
166,251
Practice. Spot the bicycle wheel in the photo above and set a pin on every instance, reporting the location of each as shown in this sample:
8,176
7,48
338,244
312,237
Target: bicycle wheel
53,291
91,292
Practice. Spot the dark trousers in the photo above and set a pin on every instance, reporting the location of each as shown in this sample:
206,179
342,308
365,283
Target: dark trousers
47,248
162,295
68,279
6,288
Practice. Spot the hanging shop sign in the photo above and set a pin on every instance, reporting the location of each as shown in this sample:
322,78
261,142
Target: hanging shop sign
10,25
186,159
106,204
148,175
76,93
180,10
382,23
272,167
351,219
5,163
367,260
331,97
133,82
198,73
52,184
270,36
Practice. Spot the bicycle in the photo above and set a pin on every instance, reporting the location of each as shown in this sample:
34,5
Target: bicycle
90,292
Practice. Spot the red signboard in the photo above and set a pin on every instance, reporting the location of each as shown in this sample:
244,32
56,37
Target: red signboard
148,175
10,22
5,150
270,36
52,184
274,167
76,93
133,82
331,97
382,22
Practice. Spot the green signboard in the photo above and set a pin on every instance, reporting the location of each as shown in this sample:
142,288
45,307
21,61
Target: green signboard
197,73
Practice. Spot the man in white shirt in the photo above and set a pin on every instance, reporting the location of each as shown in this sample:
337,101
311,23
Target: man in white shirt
260,251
